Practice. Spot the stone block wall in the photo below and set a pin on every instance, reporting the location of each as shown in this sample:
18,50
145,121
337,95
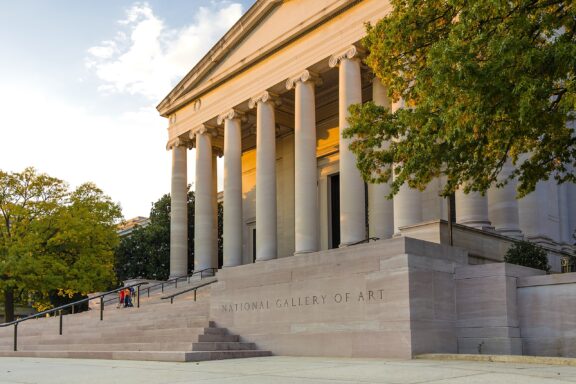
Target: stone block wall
390,298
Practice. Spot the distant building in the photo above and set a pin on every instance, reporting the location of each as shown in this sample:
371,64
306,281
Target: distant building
126,227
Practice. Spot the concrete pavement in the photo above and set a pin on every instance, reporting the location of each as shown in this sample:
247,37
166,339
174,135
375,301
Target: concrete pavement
279,370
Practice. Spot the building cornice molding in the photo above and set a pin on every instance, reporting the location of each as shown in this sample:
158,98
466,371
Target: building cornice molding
303,77
184,93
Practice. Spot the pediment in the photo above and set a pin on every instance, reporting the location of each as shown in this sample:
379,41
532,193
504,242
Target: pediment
263,29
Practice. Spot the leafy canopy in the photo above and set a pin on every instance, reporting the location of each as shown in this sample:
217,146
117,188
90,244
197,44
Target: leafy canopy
53,239
484,81
145,252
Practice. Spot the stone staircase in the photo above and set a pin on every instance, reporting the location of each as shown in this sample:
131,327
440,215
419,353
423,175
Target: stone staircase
157,331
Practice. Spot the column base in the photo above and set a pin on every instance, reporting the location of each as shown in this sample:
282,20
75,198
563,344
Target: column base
513,233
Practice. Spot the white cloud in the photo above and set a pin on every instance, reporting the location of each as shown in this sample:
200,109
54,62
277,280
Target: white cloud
124,155
147,57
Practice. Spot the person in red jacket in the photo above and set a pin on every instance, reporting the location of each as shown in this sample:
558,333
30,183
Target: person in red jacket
120,298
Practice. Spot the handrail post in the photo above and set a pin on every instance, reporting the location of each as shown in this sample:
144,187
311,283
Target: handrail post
101,308
176,283
60,322
15,337
138,297
72,308
148,291
195,293
171,299
162,287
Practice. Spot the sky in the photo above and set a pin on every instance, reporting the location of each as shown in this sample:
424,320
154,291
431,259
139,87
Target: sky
80,81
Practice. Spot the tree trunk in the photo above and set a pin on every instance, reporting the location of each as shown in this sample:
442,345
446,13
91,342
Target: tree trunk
8,304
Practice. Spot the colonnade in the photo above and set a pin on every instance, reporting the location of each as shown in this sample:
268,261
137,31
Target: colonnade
385,217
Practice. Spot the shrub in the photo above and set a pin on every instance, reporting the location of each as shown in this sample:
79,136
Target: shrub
528,255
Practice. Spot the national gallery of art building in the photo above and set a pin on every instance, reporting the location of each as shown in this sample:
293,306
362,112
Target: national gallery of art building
299,276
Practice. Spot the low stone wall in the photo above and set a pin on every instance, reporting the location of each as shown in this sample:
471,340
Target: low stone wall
390,298
547,314
396,298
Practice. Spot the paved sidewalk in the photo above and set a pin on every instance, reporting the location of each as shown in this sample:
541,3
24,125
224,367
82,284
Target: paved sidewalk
279,370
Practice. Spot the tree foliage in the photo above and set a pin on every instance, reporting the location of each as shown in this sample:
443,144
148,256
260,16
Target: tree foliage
53,240
145,252
528,255
483,81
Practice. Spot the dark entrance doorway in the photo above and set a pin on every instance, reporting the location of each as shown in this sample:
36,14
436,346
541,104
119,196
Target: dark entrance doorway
334,199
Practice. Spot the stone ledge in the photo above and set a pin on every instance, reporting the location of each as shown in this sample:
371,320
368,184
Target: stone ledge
501,359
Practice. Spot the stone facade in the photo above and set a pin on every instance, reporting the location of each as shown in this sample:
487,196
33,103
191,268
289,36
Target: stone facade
272,97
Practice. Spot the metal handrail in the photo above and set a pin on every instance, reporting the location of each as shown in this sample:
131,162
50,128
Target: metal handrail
175,279
171,297
62,307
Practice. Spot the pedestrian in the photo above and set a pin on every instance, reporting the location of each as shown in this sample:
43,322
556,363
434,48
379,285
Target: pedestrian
127,298
120,298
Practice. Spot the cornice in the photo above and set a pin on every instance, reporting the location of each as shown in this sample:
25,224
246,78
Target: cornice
303,77
179,97
242,28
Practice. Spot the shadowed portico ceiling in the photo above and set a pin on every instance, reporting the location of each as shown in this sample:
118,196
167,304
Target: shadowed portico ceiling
216,68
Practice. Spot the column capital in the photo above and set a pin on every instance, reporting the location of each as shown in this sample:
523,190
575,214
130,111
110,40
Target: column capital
303,76
264,97
230,115
203,129
350,52
178,142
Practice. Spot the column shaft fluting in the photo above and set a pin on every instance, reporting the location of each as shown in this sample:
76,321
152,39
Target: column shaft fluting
266,236
203,213
352,194
380,209
232,192
179,213
305,172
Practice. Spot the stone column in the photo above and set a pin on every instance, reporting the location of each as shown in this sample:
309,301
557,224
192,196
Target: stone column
266,237
408,201
214,208
203,212
472,209
352,203
503,206
232,187
380,209
179,211
305,165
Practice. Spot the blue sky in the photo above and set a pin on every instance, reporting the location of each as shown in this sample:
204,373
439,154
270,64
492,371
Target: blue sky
79,82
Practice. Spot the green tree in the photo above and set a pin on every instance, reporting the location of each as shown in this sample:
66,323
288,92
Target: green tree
483,82
53,240
145,252
528,255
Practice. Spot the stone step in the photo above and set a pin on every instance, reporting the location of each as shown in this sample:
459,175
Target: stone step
223,346
173,356
218,338
160,346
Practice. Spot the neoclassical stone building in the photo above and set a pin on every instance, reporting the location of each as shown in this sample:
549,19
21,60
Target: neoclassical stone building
271,97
